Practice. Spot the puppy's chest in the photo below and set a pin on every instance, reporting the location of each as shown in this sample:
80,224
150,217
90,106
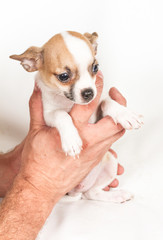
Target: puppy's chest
54,102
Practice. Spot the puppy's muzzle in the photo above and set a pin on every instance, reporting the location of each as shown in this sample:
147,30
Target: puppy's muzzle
87,94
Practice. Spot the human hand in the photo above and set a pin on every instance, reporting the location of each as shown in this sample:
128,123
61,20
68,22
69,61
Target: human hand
45,165
46,174
117,96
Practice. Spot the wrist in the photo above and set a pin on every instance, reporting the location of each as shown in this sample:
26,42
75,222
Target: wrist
12,159
24,207
40,185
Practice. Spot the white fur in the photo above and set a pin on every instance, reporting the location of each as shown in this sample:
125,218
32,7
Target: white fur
121,114
107,174
80,51
82,55
101,176
56,108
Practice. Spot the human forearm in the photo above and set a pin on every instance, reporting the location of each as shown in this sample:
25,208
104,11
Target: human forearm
9,166
24,210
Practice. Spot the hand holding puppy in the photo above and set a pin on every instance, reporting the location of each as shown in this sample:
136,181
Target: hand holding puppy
44,163
45,174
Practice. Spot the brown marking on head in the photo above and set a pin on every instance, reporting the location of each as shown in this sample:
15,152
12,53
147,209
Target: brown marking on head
51,60
92,38
57,60
54,58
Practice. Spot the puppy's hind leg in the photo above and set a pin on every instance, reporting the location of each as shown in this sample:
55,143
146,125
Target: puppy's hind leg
117,196
107,175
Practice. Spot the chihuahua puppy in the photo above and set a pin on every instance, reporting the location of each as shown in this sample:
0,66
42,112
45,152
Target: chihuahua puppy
67,68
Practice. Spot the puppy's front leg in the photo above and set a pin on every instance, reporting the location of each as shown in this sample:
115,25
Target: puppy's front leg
70,139
121,114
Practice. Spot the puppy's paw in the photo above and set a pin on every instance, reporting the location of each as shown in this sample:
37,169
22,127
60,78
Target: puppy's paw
71,142
117,196
121,196
129,120
121,114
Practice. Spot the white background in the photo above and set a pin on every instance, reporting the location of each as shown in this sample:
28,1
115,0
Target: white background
130,53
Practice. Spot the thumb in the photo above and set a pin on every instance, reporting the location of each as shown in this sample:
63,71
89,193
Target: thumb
82,113
36,109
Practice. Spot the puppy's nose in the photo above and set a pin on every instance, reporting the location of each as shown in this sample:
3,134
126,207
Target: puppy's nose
87,94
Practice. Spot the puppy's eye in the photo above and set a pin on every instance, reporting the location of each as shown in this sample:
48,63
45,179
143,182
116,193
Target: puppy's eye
95,68
63,77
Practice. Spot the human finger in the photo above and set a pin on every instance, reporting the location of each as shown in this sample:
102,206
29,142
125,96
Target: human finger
36,109
110,140
113,152
120,169
115,183
107,188
117,96
105,128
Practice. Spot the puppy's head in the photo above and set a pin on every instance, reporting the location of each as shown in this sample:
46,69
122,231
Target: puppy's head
67,63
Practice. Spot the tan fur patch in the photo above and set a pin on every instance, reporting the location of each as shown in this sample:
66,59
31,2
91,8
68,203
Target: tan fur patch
52,59
57,59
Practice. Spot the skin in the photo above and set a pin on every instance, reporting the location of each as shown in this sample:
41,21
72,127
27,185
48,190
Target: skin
45,174
10,162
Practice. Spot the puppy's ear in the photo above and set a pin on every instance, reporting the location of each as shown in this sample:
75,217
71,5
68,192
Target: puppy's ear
93,39
31,59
